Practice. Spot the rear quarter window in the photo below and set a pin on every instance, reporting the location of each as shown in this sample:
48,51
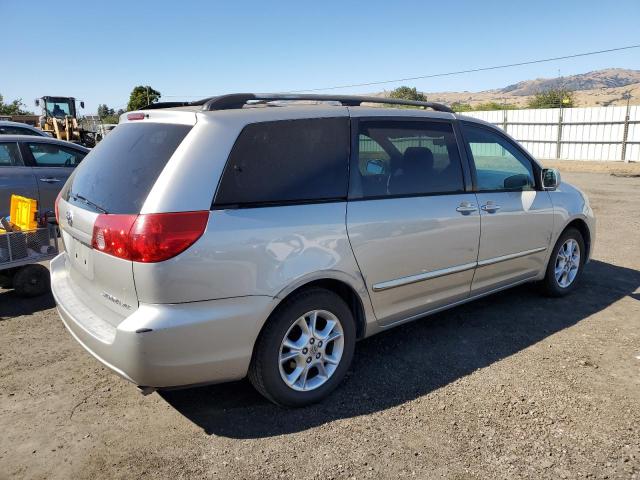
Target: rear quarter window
119,173
286,162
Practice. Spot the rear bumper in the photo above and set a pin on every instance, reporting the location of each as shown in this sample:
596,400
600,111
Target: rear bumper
166,345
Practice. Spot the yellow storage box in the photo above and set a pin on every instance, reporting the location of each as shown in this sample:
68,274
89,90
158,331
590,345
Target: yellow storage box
23,212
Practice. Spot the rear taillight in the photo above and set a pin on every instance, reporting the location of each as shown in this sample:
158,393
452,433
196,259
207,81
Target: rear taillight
150,237
111,234
57,208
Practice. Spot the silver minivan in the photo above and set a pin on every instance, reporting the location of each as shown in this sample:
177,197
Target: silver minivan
255,235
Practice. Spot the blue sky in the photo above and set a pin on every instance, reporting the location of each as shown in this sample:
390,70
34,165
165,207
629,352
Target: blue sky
98,51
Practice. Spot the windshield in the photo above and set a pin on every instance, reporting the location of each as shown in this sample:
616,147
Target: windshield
58,109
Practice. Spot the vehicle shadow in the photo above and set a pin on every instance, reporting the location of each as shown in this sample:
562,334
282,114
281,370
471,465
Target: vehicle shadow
12,305
412,360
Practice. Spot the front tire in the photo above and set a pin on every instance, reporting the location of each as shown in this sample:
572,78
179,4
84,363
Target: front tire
565,264
305,349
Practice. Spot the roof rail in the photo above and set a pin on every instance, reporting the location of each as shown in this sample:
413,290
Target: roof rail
238,100
154,106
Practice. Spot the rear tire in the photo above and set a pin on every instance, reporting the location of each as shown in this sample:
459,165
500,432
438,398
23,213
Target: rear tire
305,349
565,264
31,281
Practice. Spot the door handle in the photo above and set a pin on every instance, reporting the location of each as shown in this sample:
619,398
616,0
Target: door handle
490,207
466,208
50,180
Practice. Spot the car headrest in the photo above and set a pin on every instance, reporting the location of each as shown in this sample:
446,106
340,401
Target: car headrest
418,157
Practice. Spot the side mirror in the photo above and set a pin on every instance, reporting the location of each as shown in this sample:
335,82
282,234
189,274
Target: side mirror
81,104
37,102
550,178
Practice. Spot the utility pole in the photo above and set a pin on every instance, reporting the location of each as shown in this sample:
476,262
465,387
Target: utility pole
625,130
147,88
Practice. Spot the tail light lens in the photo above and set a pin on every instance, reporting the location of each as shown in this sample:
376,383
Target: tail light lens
148,238
57,208
111,235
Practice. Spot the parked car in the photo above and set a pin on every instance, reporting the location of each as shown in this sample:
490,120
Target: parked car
35,167
17,128
218,239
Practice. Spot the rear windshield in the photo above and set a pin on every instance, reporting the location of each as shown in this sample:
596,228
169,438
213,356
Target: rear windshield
117,176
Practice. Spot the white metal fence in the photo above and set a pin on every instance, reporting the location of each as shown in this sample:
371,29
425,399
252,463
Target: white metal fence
595,133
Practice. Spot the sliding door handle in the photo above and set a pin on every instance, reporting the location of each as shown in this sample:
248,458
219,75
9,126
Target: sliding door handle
466,208
490,207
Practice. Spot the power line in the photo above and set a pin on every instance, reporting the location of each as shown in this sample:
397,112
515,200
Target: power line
472,70
447,74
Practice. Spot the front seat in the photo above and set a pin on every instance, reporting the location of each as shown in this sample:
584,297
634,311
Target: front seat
415,174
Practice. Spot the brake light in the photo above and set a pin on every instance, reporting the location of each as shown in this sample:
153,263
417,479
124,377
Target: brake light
148,238
111,234
136,116
57,208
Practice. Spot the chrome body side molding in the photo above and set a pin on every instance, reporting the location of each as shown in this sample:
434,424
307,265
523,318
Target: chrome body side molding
399,282
421,277
504,258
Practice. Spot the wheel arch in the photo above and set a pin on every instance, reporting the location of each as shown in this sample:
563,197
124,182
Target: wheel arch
582,226
343,287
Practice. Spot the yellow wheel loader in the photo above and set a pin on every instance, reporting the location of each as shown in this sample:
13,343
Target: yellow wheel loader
60,120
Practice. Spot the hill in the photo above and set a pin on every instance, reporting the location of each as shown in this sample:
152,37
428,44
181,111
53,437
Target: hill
599,88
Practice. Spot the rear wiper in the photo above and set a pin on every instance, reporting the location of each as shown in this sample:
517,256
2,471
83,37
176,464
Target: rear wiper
77,196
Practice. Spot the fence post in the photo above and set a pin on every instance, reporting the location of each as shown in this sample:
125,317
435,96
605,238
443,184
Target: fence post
559,140
625,134
504,120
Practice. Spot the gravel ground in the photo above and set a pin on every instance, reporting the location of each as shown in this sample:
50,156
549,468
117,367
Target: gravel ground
514,385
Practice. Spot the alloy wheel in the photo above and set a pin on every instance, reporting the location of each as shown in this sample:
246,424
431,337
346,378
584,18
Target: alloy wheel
567,263
311,350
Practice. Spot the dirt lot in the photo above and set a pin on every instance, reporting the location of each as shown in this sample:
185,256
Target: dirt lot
515,385
617,169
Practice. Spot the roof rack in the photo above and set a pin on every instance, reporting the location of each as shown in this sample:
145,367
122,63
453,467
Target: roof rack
155,106
238,100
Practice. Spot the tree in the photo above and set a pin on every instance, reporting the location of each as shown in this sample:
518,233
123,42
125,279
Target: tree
13,108
141,96
408,93
553,98
104,111
114,116
466,107
495,106
461,107
111,119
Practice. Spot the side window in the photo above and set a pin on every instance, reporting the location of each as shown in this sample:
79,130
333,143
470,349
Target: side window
11,130
26,131
9,155
51,155
287,161
398,158
499,164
